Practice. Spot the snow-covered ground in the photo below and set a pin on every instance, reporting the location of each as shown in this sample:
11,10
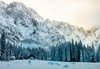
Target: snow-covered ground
38,64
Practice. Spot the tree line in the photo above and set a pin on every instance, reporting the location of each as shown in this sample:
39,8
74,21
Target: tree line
68,52
75,52
7,50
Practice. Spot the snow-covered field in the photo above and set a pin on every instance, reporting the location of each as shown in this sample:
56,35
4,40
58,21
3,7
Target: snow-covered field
38,64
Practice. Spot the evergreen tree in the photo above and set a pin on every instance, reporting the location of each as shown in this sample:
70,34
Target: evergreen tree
8,51
98,54
68,46
60,52
26,53
40,54
63,52
93,58
44,55
72,50
88,53
0,48
15,52
57,53
76,52
80,54
84,54
53,53
3,42
19,52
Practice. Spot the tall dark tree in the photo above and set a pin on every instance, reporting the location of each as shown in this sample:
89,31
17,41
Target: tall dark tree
68,48
15,51
60,52
0,48
76,52
80,55
93,57
88,53
64,52
57,53
98,54
72,50
3,42
10,50
7,51
84,54
52,53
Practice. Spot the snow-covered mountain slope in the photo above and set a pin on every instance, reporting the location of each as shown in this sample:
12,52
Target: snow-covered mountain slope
22,24
71,32
24,27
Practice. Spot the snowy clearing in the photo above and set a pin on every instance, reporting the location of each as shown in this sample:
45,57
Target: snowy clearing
38,64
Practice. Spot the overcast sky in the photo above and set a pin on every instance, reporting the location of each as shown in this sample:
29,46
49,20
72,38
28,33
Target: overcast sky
82,13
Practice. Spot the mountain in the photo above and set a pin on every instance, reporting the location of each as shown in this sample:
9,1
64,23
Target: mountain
26,28
71,32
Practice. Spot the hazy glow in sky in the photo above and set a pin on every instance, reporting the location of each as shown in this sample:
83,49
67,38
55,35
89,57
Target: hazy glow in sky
82,13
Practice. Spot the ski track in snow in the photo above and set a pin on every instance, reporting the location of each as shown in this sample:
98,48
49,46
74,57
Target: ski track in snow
39,64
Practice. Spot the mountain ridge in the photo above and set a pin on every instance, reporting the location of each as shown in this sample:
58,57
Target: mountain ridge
21,23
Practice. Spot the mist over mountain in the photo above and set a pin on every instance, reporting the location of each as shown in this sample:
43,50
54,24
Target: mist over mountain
25,27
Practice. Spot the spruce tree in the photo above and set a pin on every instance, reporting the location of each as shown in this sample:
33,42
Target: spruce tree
0,48
93,58
80,54
88,53
68,44
8,51
52,53
63,52
76,52
72,50
3,42
84,54
98,54
57,53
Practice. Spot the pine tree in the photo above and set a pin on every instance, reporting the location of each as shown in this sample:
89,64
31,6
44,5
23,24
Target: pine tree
72,50
8,51
3,42
25,53
60,52
0,49
98,54
76,52
57,53
15,52
80,54
88,53
52,53
68,46
44,55
84,54
19,52
63,52
93,58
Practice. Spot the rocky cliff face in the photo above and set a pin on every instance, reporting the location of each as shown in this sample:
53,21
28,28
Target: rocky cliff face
24,27
71,32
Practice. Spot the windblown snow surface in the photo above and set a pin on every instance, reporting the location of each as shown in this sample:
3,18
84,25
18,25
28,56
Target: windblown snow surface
38,64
